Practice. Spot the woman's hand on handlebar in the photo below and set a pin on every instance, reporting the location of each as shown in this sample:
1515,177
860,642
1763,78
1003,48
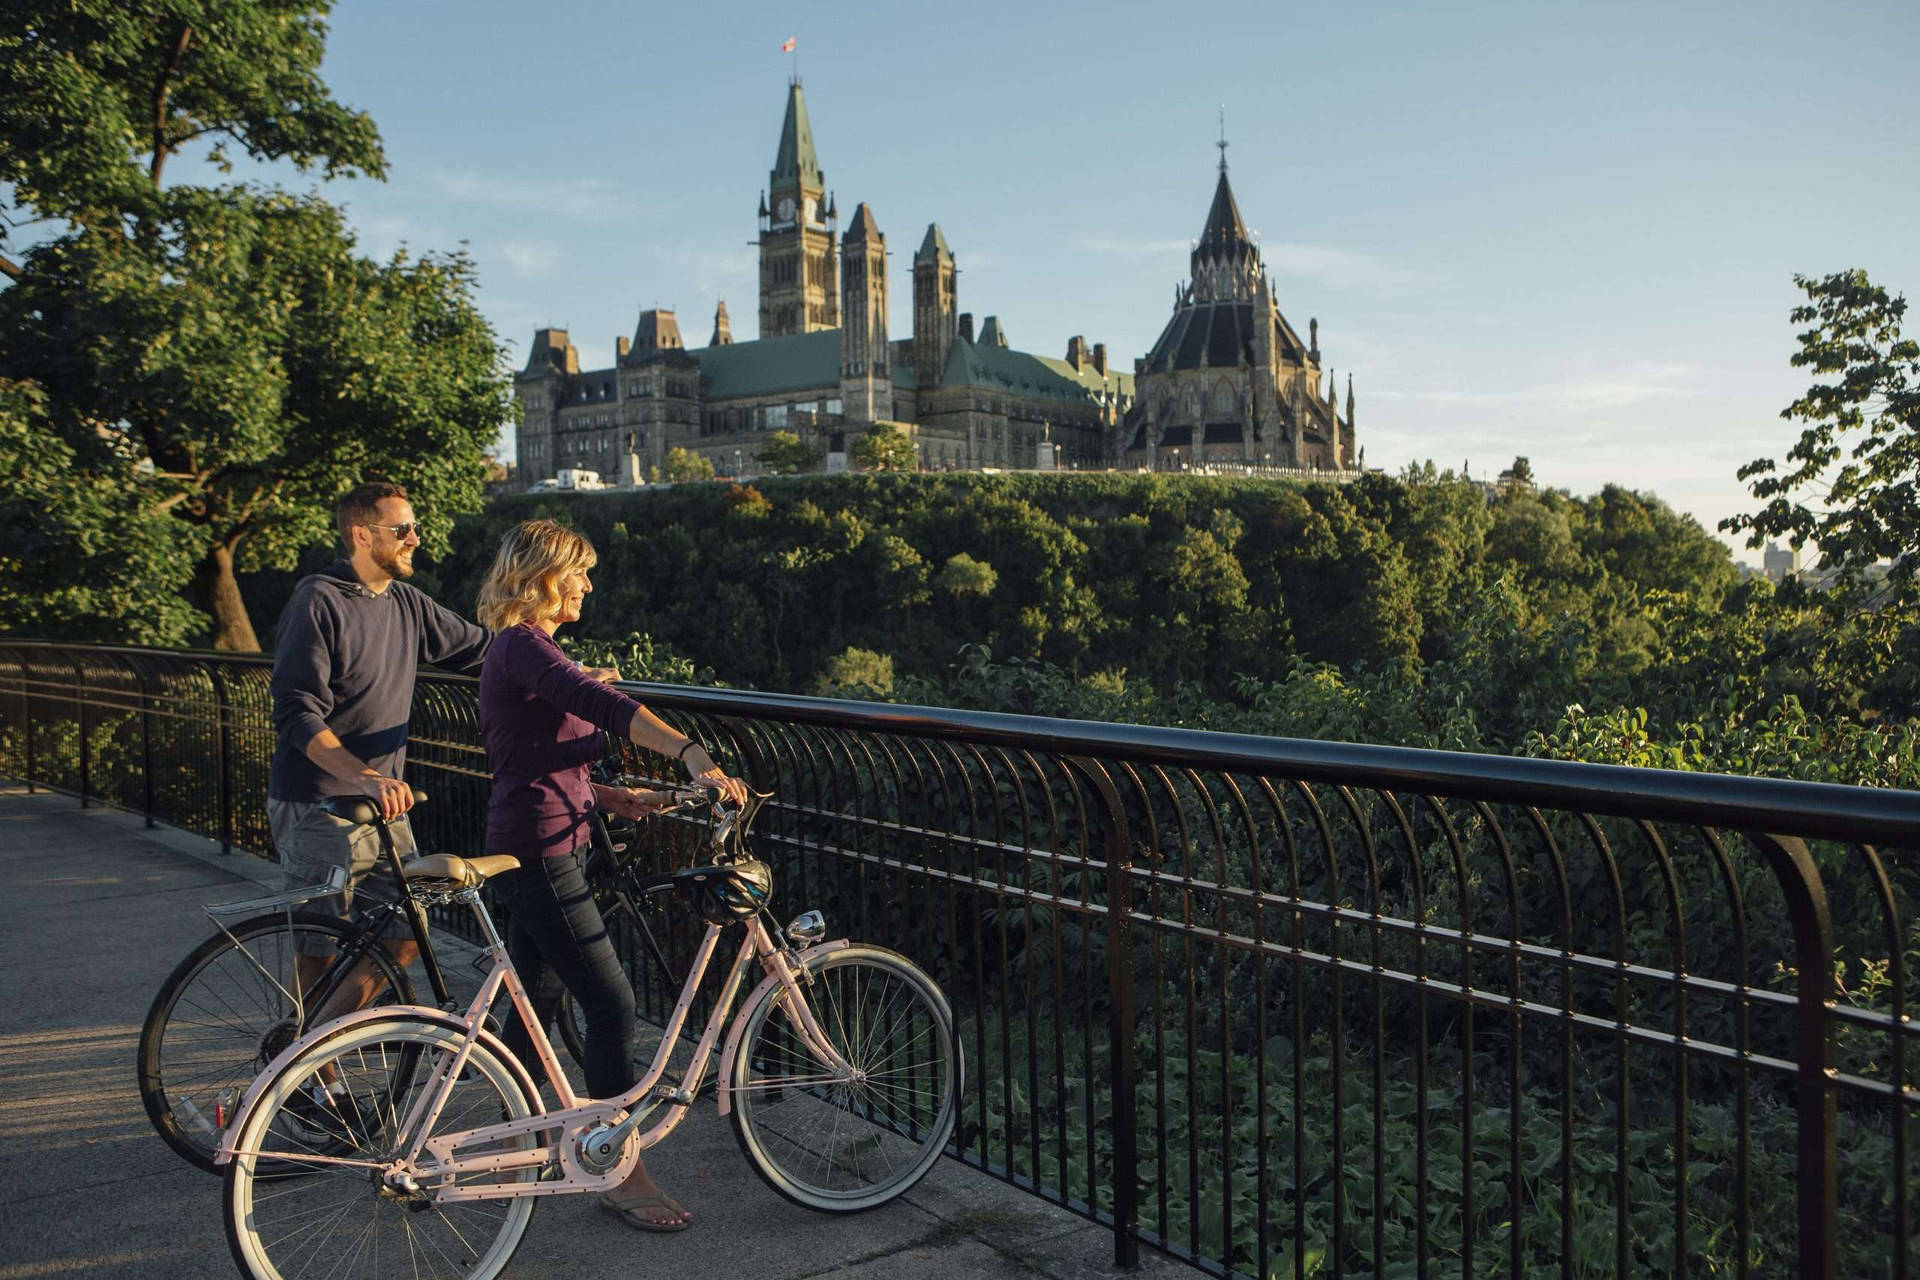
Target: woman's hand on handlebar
631,802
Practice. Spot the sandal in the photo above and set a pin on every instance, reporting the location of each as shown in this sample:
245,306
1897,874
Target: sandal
630,1212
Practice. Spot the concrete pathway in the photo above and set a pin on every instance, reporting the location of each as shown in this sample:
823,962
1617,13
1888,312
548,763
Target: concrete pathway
96,911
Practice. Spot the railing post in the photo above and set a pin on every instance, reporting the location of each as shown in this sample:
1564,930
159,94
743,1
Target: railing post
1816,1179
146,742
1120,1063
80,710
26,718
224,746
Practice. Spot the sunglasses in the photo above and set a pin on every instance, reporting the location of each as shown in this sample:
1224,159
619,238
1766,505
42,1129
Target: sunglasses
401,532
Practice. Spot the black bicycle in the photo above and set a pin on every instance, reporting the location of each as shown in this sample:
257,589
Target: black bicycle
237,999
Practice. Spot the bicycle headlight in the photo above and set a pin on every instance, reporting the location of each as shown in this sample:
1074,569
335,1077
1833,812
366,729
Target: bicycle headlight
806,929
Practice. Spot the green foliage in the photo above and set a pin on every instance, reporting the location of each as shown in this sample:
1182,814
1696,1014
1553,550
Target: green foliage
1468,621
95,95
785,453
884,448
52,513
219,355
963,576
684,465
638,657
856,673
1860,446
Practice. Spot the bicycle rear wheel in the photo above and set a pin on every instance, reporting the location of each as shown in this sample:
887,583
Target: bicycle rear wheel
846,1140
224,1013
306,1193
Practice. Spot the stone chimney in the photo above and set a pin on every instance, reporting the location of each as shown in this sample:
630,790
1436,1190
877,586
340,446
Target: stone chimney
1100,358
966,325
1076,351
621,346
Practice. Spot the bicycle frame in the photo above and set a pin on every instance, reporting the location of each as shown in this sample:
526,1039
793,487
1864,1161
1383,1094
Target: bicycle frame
610,1123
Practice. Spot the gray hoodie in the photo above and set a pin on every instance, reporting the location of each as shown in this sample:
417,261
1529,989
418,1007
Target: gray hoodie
344,659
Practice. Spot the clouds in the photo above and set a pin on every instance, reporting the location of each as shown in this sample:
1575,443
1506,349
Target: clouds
586,199
1618,388
1322,264
529,258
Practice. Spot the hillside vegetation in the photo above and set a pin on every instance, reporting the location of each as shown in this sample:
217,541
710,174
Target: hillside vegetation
1417,609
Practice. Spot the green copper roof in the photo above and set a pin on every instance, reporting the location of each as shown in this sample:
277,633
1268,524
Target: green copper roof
795,160
798,362
979,365
934,246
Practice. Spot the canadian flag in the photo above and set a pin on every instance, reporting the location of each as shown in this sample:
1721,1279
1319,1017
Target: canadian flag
788,46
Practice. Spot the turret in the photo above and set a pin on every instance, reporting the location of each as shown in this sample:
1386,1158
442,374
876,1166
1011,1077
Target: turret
934,312
722,330
866,375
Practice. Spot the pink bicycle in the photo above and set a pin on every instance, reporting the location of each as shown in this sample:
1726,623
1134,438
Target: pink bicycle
408,1141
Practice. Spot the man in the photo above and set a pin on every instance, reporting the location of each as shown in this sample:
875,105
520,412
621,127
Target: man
348,645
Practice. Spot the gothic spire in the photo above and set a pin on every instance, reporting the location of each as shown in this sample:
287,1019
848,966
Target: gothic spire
796,161
1225,231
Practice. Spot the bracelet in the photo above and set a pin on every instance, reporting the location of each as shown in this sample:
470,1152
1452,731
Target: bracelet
682,757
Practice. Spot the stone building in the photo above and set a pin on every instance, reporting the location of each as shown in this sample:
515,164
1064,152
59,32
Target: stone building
824,365
1229,381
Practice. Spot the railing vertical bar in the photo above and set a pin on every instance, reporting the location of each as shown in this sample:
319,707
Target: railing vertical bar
1117,844
223,746
80,718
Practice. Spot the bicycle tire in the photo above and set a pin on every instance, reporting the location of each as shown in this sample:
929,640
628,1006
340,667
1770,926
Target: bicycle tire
189,1069
343,1217
889,1020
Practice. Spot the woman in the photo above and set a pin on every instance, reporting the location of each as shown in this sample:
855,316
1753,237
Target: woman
542,718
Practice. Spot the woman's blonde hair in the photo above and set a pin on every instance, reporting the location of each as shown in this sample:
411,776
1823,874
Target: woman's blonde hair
524,583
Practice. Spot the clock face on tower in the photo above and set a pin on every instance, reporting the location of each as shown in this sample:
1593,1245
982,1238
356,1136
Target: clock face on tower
786,208
808,208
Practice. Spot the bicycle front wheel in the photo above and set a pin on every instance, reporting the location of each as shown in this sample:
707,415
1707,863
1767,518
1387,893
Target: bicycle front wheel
225,1012
312,1188
846,1138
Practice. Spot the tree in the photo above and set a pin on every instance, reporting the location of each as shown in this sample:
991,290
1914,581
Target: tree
51,512
855,672
786,453
884,448
1859,449
220,355
246,367
97,95
684,465
964,576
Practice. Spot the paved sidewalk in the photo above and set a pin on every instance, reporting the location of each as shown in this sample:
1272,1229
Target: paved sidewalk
97,911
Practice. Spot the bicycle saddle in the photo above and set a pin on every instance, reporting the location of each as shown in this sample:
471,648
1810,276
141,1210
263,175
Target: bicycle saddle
457,872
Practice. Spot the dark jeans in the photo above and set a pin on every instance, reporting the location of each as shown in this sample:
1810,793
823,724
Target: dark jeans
557,932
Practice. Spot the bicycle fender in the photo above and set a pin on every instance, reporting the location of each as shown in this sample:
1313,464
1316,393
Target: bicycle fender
347,1022
723,1093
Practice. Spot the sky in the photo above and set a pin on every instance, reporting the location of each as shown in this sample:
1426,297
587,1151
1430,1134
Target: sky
1561,230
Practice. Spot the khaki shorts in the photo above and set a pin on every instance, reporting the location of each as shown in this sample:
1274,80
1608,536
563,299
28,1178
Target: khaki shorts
312,842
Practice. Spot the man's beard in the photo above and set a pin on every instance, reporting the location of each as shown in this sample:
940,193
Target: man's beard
391,564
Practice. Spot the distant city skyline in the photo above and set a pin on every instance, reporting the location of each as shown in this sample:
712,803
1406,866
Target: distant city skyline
1559,231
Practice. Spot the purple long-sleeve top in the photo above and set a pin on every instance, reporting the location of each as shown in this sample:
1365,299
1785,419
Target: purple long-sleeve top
541,718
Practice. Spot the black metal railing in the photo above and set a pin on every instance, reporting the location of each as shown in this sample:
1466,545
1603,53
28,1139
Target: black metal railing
1279,1008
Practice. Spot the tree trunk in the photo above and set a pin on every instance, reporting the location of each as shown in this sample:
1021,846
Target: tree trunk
216,591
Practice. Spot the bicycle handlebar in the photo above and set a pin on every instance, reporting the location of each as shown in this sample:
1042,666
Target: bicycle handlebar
361,809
